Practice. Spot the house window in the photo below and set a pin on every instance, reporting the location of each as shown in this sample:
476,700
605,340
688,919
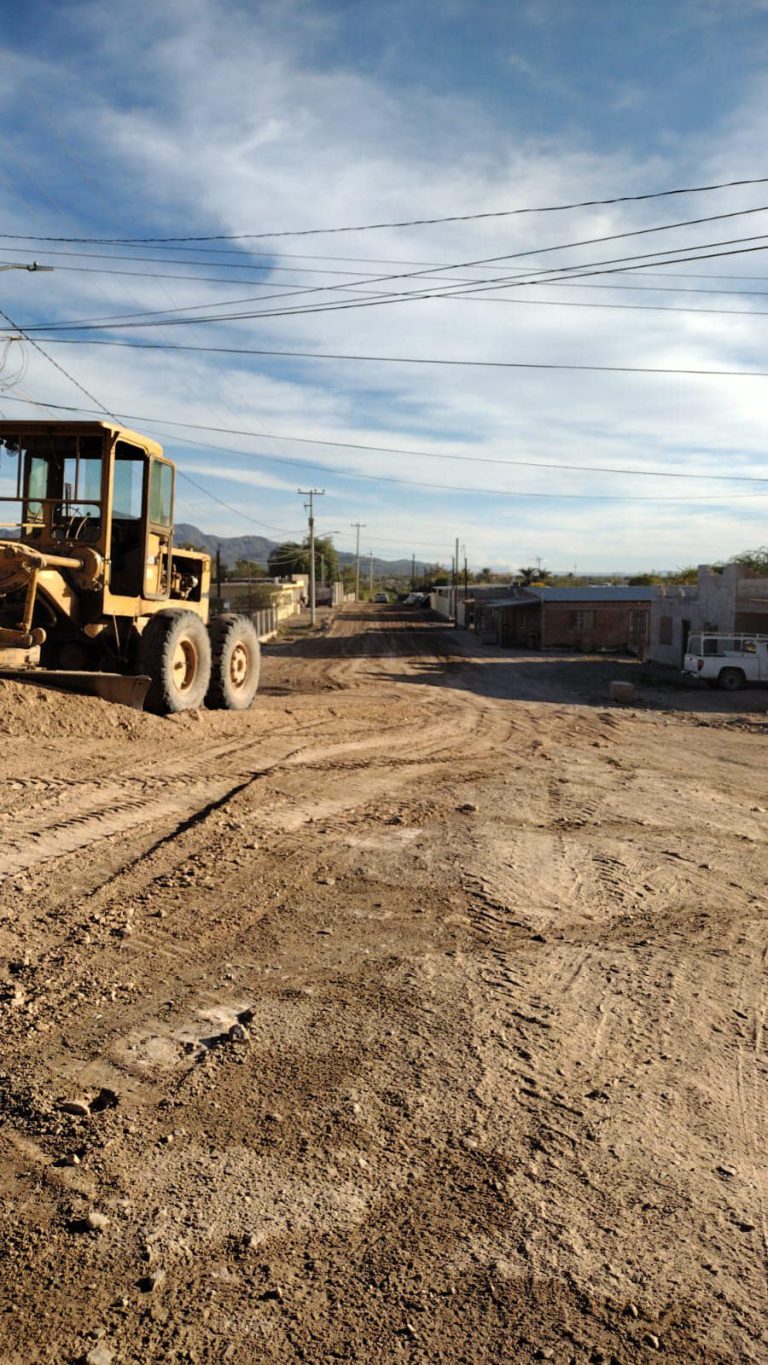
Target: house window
584,620
665,630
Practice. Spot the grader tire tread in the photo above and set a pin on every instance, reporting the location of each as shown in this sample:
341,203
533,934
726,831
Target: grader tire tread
175,653
235,663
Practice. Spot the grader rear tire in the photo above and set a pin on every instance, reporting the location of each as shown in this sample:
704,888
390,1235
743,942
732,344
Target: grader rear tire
175,652
236,663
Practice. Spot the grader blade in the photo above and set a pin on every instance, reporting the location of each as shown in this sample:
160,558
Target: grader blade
127,691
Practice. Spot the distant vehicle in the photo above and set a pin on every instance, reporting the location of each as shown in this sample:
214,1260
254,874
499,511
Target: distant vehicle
417,599
727,661
381,597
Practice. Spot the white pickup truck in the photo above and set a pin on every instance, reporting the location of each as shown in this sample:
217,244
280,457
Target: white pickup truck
727,661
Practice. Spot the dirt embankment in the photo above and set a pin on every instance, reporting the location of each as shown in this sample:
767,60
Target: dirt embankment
417,1014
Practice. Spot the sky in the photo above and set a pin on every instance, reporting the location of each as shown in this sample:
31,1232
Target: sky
252,124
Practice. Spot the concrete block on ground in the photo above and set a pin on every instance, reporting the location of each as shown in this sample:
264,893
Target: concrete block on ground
621,691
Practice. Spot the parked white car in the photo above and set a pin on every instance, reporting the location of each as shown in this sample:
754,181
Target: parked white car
727,661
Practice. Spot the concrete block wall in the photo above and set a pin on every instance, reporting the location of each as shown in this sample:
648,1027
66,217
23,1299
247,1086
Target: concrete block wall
731,600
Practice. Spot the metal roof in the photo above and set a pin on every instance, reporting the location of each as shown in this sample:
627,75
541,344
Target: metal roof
532,596
609,593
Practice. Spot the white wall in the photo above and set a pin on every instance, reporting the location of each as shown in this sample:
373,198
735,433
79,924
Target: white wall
441,601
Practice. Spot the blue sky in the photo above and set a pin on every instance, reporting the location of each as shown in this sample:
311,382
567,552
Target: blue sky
204,117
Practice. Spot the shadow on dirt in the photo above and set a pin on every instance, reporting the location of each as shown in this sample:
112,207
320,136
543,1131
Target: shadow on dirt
559,679
434,653
390,631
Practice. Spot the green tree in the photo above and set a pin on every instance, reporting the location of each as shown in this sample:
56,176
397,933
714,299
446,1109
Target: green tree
753,559
326,559
532,574
288,558
292,557
247,568
645,580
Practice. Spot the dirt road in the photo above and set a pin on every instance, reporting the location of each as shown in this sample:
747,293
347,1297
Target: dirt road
415,1015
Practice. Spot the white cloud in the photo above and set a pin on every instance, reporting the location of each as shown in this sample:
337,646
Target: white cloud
202,118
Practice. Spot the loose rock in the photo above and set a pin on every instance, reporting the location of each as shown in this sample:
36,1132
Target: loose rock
153,1281
100,1355
79,1108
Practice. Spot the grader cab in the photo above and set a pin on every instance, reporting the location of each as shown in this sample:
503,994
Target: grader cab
94,596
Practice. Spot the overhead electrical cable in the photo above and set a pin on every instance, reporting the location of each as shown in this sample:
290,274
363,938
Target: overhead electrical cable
622,288
408,360
412,222
156,422
105,410
474,284
583,270
542,303
570,284
427,272
462,488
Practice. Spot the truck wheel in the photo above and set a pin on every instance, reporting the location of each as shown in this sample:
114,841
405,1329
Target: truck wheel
175,652
236,663
731,679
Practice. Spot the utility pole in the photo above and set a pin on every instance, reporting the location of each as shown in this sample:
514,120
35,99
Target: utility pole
370,574
466,577
456,585
358,525
312,493
413,573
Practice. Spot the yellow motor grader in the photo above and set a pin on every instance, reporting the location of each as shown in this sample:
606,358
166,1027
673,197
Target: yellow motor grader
94,596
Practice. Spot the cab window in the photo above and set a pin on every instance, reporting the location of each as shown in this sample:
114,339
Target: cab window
161,494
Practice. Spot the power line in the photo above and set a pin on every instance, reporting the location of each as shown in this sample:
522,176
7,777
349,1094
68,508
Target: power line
55,364
494,492
267,284
615,266
464,488
107,411
410,222
157,422
515,302
120,318
410,360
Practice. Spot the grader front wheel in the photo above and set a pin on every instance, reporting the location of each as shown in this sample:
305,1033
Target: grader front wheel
175,652
236,662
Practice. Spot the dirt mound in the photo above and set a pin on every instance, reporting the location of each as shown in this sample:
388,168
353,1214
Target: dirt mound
26,710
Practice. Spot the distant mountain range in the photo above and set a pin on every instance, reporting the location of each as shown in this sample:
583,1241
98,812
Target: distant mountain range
257,548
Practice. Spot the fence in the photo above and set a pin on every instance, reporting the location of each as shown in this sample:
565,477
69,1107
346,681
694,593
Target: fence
265,620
